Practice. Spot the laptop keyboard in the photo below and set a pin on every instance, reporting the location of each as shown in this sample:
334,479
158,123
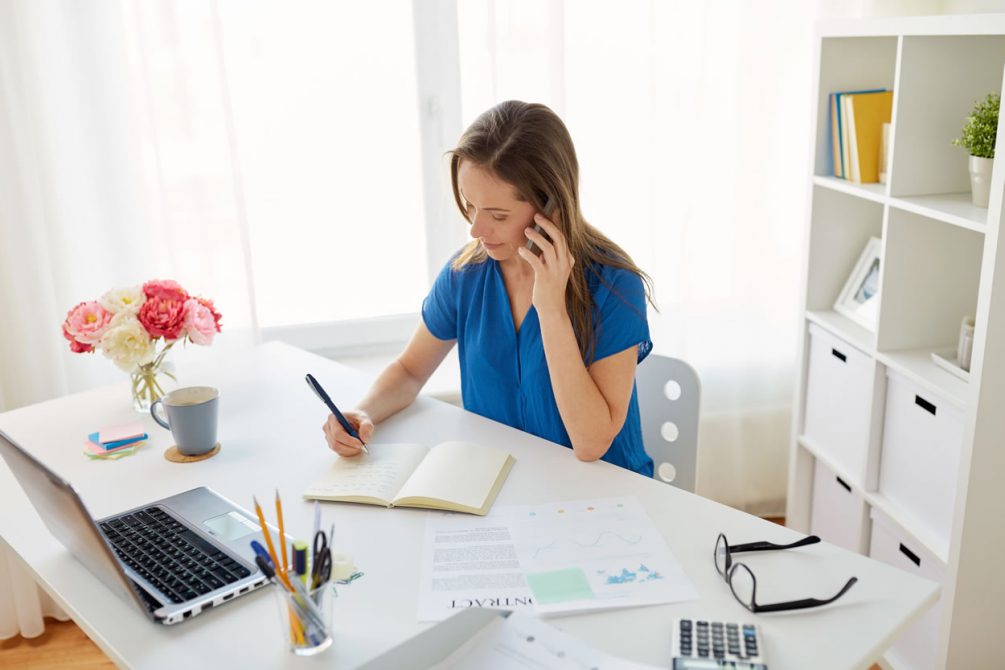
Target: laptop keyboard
169,555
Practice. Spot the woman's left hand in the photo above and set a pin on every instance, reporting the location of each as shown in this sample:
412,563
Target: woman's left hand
551,269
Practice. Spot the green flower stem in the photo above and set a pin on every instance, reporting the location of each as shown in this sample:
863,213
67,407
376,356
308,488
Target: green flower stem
146,388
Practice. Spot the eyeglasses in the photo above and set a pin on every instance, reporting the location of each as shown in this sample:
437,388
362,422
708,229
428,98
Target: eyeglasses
743,584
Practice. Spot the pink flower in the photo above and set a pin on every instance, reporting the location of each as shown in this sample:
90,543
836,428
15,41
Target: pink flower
200,322
87,322
163,317
165,288
75,346
208,304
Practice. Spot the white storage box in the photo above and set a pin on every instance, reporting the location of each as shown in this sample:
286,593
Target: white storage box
839,382
839,512
920,458
915,648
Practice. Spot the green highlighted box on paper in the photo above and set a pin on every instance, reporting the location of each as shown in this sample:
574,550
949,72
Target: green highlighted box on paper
559,586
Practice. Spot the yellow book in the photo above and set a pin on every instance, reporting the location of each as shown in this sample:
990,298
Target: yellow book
868,113
454,476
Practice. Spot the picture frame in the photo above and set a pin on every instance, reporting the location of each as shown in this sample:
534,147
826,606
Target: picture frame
859,298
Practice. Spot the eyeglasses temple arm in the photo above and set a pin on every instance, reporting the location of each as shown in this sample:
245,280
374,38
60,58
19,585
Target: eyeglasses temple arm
771,546
806,603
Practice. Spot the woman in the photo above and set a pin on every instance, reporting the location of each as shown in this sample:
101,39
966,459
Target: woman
548,339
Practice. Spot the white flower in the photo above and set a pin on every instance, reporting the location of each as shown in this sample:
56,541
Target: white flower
127,342
127,300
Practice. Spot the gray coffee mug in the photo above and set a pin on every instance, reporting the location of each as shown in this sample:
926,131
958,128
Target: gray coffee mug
191,417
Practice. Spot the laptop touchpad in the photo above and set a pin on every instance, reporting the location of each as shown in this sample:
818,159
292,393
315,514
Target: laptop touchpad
230,526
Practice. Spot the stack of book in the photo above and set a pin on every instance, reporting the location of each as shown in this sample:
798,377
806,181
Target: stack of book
857,145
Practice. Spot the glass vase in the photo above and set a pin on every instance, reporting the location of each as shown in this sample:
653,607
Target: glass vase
148,382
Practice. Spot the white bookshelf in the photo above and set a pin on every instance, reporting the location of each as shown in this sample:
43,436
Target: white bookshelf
942,259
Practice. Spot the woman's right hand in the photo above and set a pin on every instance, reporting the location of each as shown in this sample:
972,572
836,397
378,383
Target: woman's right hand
340,441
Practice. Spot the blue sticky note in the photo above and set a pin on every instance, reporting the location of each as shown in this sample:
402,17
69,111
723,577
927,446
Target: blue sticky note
93,437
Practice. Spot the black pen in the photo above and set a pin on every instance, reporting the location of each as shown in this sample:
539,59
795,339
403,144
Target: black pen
320,392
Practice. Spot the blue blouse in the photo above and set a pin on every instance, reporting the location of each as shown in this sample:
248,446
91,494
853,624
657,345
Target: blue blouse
504,374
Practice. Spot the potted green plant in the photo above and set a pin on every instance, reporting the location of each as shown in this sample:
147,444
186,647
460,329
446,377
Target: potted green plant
978,137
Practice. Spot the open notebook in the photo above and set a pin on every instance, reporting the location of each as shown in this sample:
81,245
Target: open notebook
454,476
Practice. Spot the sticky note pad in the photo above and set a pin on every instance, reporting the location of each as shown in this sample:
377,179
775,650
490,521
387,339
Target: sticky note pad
92,450
559,586
93,437
125,431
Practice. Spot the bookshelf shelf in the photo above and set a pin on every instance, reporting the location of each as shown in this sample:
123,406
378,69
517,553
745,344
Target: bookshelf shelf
937,547
874,192
841,326
917,366
953,208
942,259
918,534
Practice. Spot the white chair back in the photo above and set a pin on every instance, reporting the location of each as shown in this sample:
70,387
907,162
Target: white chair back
669,400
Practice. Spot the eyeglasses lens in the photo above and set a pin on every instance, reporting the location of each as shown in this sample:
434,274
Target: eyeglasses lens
720,555
741,581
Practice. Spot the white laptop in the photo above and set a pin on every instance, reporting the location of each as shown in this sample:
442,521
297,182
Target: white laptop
174,557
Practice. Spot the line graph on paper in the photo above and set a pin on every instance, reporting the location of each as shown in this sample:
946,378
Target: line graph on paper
583,555
605,538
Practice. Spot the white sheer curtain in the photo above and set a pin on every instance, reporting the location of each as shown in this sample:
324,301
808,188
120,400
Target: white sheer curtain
691,124
90,200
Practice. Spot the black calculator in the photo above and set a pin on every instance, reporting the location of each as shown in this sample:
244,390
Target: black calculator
703,644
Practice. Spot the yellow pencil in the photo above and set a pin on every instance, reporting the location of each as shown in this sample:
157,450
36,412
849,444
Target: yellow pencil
282,532
268,545
296,629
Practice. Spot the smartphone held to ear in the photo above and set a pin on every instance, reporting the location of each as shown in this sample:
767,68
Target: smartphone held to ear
549,208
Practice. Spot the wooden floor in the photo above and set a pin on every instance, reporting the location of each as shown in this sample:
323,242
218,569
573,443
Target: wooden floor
64,646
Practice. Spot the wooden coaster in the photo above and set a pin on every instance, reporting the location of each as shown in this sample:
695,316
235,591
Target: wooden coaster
175,456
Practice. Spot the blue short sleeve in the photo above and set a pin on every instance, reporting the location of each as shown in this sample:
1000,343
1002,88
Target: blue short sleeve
620,314
439,309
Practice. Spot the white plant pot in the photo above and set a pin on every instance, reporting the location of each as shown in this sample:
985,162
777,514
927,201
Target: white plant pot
980,180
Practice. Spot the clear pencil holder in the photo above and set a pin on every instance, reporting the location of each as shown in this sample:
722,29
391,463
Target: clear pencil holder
305,615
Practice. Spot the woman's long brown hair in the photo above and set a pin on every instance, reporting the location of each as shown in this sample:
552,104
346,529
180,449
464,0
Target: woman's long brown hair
528,146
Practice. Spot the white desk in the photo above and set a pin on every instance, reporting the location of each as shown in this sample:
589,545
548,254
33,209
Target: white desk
270,432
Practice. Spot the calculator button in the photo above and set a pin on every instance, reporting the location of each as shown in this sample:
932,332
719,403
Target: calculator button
685,624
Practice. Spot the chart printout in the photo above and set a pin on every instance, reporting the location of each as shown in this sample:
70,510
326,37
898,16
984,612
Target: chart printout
584,555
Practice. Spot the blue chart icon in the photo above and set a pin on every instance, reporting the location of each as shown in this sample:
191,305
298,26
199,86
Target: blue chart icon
626,576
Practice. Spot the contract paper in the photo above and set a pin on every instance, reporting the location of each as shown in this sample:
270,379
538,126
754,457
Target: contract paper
469,562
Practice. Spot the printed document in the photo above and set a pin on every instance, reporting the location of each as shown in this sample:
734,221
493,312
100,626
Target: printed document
520,641
584,555
469,562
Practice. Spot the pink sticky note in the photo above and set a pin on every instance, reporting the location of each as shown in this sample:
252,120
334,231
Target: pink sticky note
91,448
123,432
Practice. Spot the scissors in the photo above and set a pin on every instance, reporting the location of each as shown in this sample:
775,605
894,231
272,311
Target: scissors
321,569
